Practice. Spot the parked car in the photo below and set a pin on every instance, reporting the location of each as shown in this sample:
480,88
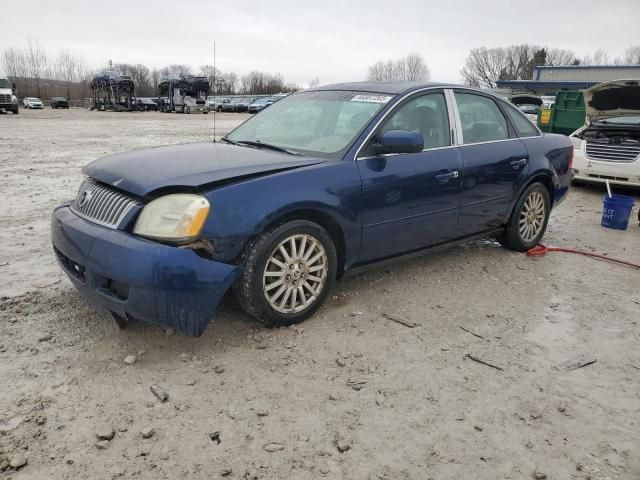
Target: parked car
147,104
331,180
259,104
607,147
32,102
59,102
243,104
529,104
232,105
217,102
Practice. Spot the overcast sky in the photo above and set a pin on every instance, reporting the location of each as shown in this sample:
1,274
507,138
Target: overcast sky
334,41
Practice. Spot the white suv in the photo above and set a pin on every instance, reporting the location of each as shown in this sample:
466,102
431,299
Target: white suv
32,102
607,147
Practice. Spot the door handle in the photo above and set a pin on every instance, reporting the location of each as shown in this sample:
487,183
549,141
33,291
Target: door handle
516,164
445,177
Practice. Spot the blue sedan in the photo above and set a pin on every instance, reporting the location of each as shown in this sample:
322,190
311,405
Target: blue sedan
322,182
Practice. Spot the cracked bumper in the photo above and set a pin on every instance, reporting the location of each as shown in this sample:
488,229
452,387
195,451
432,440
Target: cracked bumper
139,279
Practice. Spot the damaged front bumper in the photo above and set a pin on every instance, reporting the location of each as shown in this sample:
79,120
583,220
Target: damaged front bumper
134,278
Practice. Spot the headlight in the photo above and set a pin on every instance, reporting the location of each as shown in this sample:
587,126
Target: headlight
176,218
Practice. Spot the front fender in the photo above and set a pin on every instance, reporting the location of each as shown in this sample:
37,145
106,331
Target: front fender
240,211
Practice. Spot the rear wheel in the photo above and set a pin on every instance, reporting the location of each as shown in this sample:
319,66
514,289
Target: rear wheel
529,219
288,272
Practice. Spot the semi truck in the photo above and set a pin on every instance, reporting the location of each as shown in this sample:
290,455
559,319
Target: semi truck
8,100
184,94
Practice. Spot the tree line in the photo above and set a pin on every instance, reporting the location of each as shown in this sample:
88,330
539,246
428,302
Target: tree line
38,73
483,67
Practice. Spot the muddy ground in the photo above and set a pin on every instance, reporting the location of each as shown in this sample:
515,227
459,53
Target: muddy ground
349,394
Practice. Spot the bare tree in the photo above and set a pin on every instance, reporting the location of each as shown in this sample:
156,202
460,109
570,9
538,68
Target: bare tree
560,56
314,82
599,57
411,68
14,62
631,56
36,59
415,68
155,78
484,66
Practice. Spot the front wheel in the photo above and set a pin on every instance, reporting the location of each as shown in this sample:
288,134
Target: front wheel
288,273
529,219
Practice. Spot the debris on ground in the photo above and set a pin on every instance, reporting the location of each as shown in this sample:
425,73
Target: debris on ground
215,437
402,321
469,331
159,392
218,369
130,359
147,432
104,431
476,359
273,447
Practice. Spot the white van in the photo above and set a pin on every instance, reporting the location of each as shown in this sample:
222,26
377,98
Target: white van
8,101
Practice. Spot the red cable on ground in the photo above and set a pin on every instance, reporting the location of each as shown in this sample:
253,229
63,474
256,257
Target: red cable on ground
541,249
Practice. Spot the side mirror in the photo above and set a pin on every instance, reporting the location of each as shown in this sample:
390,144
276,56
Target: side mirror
13,87
399,141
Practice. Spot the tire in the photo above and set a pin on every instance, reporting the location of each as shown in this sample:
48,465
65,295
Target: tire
186,109
535,206
265,265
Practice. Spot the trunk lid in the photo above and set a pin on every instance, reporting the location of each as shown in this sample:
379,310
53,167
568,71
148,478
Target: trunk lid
188,166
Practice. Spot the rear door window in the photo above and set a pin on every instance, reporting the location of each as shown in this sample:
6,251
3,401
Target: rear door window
481,119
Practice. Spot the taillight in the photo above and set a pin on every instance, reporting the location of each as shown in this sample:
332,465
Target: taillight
571,158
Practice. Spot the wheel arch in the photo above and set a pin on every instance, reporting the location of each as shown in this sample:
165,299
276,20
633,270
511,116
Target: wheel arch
541,177
322,218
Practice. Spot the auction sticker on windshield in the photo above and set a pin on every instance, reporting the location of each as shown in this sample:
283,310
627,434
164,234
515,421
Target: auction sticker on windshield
372,98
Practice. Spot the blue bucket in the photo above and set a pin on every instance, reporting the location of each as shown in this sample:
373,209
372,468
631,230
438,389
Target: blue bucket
616,211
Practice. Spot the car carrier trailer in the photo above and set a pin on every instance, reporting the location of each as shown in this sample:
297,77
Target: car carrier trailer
184,94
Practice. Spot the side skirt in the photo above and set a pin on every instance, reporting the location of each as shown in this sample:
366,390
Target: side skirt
376,264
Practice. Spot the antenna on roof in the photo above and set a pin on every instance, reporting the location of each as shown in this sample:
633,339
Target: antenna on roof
214,92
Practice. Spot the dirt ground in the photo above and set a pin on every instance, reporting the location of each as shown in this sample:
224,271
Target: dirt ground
349,394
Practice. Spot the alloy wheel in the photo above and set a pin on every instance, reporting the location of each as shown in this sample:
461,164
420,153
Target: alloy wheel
532,217
295,273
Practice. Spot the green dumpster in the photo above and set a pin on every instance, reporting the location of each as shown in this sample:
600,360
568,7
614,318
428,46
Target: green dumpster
566,115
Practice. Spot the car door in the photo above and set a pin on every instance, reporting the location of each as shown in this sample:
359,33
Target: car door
493,159
411,200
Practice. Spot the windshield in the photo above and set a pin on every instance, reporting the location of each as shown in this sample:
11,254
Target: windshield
628,120
319,123
4,83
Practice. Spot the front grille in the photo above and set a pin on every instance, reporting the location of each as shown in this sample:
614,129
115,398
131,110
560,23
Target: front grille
5,98
621,152
102,205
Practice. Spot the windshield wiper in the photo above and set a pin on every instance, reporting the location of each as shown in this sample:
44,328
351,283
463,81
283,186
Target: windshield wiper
228,140
259,144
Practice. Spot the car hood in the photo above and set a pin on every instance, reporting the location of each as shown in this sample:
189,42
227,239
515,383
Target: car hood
188,166
612,99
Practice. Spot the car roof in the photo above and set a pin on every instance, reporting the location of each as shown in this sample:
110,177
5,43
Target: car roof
391,88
